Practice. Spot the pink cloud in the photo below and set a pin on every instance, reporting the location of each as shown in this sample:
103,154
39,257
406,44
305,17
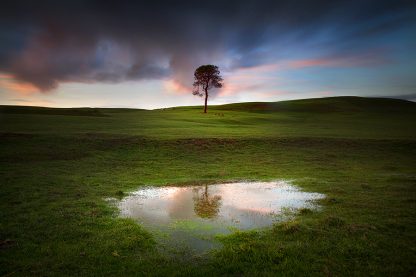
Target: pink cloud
367,59
233,88
177,87
8,82
249,79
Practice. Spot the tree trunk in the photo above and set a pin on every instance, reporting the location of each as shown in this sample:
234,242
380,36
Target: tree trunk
206,100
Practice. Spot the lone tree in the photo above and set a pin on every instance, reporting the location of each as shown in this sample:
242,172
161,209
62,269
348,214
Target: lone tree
206,77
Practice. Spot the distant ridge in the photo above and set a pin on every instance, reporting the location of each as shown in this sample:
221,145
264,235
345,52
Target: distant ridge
50,111
327,104
318,105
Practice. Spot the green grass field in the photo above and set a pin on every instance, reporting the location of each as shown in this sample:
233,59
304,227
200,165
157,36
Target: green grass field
57,166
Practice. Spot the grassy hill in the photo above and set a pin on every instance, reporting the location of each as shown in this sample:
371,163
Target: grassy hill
325,117
57,167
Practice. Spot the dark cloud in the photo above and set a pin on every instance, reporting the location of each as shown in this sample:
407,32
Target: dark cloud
46,43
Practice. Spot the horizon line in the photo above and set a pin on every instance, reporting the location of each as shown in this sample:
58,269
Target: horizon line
412,98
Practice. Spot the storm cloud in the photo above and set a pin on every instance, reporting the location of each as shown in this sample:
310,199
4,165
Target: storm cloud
46,43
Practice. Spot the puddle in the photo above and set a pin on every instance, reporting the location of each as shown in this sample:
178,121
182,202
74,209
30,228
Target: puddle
190,217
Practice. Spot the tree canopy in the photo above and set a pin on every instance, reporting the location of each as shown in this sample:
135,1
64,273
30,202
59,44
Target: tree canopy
206,77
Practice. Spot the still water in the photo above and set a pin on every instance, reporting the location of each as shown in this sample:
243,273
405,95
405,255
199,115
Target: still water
191,216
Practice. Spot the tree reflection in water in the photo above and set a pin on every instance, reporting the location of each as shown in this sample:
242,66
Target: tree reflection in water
206,206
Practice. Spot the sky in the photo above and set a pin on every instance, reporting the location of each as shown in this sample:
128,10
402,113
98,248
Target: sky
142,54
